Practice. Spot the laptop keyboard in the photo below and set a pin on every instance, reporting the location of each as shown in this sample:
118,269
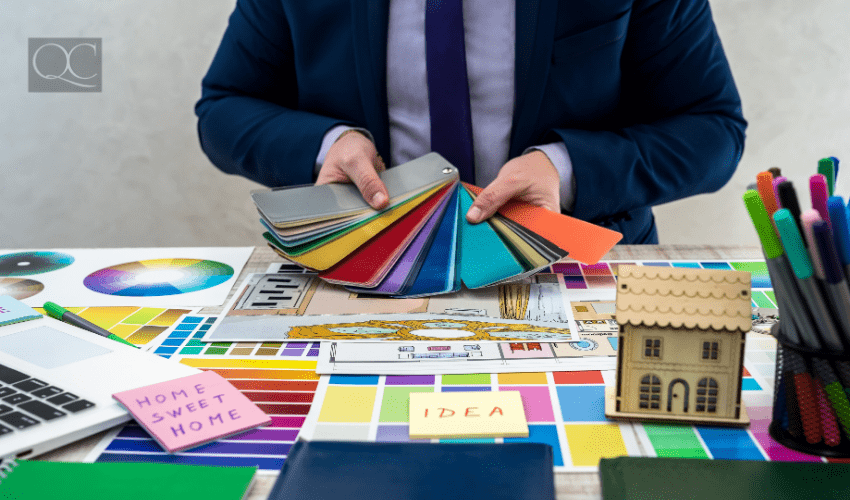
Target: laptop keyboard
26,401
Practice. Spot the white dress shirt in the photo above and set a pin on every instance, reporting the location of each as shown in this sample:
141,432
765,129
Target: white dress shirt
489,35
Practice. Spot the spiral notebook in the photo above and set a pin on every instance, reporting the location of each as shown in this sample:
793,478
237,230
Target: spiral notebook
395,252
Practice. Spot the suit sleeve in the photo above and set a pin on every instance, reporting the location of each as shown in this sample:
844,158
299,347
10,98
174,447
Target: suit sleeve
248,123
683,130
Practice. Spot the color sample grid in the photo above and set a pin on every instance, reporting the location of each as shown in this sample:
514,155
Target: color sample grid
185,339
138,325
602,275
282,388
563,409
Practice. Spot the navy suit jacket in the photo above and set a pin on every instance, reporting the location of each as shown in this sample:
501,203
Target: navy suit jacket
639,91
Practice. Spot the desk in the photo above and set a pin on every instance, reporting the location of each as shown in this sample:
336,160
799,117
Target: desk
582,486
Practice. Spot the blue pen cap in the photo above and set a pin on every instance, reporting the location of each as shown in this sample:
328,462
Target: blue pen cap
840,228
826,249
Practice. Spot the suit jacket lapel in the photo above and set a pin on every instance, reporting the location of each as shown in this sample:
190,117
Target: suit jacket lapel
535,31
370,19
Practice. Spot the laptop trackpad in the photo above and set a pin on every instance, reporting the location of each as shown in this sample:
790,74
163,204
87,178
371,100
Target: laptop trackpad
49,348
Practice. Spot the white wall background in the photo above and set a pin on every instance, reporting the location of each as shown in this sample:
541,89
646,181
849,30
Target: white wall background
123,167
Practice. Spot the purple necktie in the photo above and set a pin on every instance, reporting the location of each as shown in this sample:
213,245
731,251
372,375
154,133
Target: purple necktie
448,87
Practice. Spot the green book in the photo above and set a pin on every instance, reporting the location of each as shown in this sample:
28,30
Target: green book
633,478
35,480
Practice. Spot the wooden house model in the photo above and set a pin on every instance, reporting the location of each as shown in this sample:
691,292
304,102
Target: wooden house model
681,345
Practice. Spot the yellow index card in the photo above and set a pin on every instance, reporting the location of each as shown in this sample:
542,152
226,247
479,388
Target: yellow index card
467,415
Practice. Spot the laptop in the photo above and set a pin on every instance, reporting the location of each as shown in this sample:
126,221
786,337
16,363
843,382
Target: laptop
57,381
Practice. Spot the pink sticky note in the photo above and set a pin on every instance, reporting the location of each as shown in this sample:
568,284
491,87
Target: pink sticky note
190,411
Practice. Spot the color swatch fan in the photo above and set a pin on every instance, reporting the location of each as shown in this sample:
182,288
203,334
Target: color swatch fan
421,244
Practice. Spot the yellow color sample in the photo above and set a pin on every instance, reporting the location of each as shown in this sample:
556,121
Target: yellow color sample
522,378
290,364
467,415
348,404
107,317
169,317
590,442
123,330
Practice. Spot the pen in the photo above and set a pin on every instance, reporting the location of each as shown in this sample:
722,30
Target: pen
835,163
788,199
807,221
834,283
840,230
62,314
794,315
820,192
764,181
776,182
827,168
802,266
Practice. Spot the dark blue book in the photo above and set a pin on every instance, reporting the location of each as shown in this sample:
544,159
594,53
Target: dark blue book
329,470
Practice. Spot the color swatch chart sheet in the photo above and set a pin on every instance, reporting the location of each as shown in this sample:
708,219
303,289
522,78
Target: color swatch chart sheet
137,325
579,277
280,379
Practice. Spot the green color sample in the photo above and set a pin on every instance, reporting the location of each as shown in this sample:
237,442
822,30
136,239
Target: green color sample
142,316
221,344
761,300
39,480
752,267
473,379
675,441
191,350
835,393
771,296
396,402
195,343
216,350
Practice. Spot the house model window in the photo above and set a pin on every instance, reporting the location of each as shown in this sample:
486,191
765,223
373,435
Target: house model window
652,348
710,350
707,395
650,392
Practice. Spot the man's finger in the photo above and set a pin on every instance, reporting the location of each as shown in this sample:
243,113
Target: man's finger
365,177
492,198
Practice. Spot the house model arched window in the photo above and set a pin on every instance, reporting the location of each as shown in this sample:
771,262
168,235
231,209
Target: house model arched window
681,345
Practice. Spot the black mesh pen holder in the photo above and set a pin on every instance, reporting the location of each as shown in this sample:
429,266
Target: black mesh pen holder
811,400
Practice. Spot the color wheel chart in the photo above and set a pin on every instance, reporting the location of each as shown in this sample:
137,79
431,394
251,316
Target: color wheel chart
20,288
157,277
28,263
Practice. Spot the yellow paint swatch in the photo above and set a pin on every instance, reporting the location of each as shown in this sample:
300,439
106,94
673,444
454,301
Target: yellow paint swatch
590,442
107,317
467,415
251,363
348,404
123,330
522,378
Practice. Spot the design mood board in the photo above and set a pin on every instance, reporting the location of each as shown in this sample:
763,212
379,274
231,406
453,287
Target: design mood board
564,408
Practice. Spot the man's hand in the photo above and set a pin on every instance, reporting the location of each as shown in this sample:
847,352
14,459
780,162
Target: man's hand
353,158
530,177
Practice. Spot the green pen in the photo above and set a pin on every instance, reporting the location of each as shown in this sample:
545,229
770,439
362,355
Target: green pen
62,314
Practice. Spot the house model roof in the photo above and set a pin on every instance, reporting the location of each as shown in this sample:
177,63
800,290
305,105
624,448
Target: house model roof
683,297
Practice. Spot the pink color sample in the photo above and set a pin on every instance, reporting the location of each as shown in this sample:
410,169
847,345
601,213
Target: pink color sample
535,401
190,411
760,418
820,193
807,220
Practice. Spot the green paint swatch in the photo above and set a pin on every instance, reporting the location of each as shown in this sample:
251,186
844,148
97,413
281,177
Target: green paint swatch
396,402
762,300
473,379
675,441
216,350
142,316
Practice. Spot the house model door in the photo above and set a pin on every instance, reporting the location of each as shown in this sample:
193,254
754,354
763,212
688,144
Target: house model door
677,397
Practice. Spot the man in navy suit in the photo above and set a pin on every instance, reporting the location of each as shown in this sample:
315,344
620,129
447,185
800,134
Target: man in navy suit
598,108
